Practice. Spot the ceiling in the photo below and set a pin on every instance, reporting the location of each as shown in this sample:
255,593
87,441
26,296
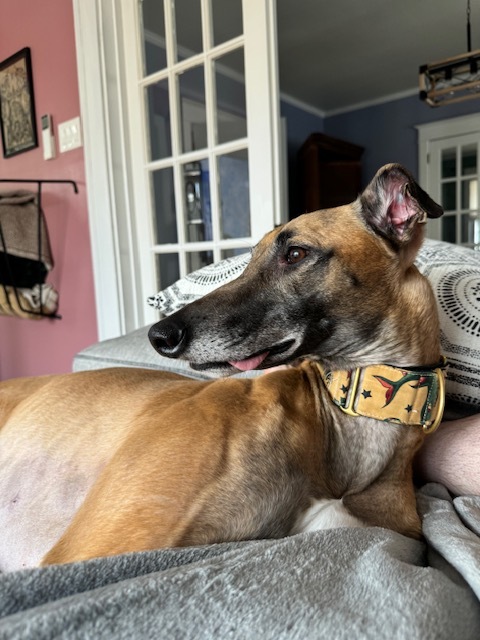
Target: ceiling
336,54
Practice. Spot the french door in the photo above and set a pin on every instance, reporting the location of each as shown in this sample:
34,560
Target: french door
450,158
190,101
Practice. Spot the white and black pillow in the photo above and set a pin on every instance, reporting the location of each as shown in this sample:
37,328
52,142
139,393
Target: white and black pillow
197,284
454,273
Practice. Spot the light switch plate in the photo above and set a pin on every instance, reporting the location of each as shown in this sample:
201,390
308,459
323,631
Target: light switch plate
69,135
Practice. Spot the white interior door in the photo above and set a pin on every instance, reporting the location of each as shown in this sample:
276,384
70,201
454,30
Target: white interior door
181,121
450,172
204,125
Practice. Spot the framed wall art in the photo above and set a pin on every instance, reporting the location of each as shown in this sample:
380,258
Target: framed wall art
17,105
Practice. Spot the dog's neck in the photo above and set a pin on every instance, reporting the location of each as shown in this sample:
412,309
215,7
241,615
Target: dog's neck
413,397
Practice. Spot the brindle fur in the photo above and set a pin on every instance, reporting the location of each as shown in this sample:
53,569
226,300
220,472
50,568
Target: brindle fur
117,460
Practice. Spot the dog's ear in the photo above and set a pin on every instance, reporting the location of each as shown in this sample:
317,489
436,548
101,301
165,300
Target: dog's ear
394,205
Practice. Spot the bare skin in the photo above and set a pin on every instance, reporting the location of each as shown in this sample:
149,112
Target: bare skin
451,456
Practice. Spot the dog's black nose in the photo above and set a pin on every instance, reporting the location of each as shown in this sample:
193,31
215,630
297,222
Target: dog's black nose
168,337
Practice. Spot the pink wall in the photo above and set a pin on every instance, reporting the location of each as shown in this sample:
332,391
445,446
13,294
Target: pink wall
29,347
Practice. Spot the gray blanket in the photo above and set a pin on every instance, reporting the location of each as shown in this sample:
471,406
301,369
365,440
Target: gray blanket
335,584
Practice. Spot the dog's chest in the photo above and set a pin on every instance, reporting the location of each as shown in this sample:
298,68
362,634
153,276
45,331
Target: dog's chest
325,514
361,448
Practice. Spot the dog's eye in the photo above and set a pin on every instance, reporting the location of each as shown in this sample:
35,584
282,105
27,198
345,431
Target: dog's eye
295,254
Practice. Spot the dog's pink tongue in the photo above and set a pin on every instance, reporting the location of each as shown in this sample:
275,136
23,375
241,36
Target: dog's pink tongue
249,363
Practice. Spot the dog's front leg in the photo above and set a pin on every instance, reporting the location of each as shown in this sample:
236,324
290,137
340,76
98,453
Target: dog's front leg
389,501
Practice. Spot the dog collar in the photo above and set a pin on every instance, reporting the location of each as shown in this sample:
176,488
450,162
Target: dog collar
414,397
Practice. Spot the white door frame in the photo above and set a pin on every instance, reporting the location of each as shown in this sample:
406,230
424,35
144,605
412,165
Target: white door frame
114,184
430,133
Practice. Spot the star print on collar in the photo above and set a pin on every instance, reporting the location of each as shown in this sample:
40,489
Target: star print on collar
366,394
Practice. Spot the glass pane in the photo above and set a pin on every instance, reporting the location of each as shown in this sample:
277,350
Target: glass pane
476,232
164,206
152,22
449,196
471,228
231,253
467,228
188,25
168,269
198,214
449,163
234,195
449,231
230,91
198,259
192,102
469,160
470,194
160,140
227,20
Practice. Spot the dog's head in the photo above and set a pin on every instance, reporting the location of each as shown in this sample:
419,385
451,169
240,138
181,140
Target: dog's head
337,285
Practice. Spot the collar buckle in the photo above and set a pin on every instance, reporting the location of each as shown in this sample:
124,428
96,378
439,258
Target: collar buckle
352,394
440,371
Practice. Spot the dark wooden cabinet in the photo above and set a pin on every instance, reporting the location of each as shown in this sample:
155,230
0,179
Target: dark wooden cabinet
330,172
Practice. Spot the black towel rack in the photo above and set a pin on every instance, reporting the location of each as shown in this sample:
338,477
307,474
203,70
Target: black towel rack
3,246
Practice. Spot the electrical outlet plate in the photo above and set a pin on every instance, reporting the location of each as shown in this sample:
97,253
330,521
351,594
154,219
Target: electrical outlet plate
69,135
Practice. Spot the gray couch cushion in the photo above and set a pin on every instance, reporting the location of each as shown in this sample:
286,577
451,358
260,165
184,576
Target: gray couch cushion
131,350
134,350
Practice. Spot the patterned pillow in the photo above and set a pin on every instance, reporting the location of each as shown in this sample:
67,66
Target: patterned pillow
198,284
454,273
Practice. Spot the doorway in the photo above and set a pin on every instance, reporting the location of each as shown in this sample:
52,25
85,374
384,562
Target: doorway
449,161
181,132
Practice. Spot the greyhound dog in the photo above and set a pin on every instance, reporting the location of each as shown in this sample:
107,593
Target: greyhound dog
116,460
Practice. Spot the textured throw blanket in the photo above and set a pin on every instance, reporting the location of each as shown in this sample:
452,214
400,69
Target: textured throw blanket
22,226
27,303
334,584
25,257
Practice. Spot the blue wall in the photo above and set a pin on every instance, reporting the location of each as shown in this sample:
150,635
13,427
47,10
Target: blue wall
300,124
387,131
